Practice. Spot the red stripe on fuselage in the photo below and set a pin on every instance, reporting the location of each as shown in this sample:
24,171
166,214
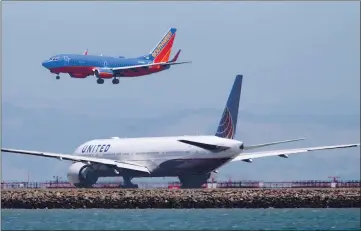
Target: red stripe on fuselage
86,71
73,69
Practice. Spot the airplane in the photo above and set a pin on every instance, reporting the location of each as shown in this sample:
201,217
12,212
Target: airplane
107,67
190,158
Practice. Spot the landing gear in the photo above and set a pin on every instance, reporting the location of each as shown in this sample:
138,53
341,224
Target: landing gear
115,81
193,181
128,183
83,185
57,77
100,81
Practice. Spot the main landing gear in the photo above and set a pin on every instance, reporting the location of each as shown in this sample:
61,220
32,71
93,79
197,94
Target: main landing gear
115,81
100,81
57,77
128,183
194,181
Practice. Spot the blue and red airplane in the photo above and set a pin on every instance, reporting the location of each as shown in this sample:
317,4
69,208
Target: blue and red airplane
107,67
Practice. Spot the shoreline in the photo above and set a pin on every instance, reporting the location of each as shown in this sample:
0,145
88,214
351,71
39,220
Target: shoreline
179,198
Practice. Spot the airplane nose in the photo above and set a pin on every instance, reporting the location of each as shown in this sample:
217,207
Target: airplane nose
45,64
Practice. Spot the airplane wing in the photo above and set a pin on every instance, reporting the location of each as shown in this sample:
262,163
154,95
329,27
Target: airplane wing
247,157
88,160
120,69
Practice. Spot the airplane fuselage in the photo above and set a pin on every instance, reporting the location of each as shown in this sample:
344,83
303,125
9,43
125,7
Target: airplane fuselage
108,67
164,156
82,66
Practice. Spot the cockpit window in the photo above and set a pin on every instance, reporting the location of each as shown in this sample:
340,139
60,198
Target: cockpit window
54,58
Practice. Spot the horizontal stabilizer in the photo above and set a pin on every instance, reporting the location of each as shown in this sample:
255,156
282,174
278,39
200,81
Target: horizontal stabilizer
286,152
209,147
272,143
88,160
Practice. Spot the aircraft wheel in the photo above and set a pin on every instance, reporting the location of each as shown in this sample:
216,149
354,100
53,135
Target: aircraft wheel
129,186
57,77
115,81
100,81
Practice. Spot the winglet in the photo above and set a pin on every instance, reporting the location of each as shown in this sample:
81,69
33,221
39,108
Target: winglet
176,56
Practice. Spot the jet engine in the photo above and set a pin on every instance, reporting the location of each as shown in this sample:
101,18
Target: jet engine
82,175
78,75
103,73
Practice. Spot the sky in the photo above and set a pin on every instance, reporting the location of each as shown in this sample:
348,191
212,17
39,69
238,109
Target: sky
300,61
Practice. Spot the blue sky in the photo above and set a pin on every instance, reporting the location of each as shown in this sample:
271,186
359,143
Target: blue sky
300,62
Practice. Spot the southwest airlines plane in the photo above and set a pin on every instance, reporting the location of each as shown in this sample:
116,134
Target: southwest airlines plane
190,158
107,67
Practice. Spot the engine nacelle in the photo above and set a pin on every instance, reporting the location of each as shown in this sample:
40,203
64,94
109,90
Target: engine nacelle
82,175
103,73
78,75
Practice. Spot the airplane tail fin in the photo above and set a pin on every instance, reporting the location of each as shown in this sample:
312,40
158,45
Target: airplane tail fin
85,52
228,123
163,49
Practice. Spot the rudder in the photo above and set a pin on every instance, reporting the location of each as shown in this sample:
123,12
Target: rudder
228,123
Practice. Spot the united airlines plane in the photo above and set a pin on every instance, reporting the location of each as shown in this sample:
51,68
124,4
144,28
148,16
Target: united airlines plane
190,158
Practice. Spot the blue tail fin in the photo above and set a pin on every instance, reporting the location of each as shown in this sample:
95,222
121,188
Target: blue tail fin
227,125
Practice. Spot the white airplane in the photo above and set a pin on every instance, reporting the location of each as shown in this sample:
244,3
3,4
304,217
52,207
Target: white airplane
190,158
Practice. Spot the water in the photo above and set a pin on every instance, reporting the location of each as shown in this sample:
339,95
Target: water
177,219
